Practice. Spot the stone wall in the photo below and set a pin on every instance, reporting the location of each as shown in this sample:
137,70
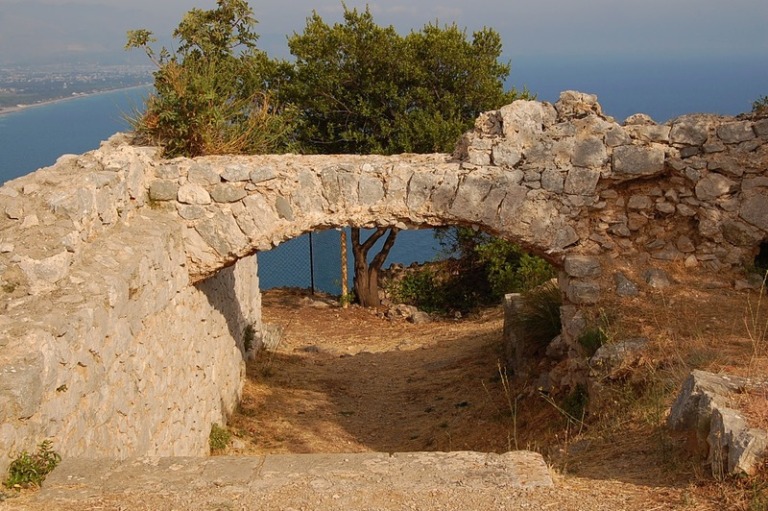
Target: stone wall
127,284
105,347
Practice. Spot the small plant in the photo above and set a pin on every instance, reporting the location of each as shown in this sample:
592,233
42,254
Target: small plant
591,339
31,469
219,438
574,405
760,106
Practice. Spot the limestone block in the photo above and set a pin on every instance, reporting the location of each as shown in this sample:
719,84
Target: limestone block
524,120
262,174
420,188
284,208
689,130
631,161
223,234
735,132
617,136
163,190
581,266
43,274
236,172
580,181
761,128
201,174
639,203
624,286
193,194
589,152
575,105
713,186
506,154
649,132
615,354
21,383
754,209
225,193
734,449
553,180
371,189
583,292
741,235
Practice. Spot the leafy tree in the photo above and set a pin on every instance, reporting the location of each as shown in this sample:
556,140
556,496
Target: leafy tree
213,95
360,88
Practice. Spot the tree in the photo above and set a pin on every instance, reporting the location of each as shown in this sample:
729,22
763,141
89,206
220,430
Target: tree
214,94
360,88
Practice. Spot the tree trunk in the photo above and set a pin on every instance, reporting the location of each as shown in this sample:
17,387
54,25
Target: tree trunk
367,275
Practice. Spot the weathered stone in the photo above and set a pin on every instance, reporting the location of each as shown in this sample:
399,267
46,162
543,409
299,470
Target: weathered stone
553,180
583,292
639,203
739,234
761,128
624,286
43,274
735,132
620,353
236,173
713,186
191,212
581,181
649,132
194,194
689,130
582,266
754,210
506,155
202,175
589,152
163,190
284,209
224,193
575,105
637,161
261,174
685,245
656,278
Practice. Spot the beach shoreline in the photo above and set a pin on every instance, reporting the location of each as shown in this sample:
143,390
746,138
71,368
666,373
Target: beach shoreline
18,108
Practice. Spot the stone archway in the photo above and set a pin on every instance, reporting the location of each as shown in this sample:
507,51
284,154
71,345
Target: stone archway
127,287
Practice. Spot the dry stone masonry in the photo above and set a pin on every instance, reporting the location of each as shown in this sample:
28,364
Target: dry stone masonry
127,279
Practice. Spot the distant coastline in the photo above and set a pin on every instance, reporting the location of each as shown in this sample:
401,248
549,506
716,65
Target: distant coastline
18,108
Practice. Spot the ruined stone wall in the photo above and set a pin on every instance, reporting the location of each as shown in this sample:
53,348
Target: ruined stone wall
105,347
123,313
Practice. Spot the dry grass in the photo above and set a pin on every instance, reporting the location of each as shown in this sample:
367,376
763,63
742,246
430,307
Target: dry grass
348,380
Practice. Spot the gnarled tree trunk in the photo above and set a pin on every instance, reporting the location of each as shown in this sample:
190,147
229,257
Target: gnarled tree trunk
367,275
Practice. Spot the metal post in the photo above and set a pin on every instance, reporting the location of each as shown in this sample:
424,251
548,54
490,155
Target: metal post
311,265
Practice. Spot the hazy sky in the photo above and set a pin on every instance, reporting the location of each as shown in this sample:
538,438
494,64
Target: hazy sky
44,30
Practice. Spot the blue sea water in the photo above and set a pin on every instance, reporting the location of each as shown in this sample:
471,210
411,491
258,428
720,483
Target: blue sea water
663,88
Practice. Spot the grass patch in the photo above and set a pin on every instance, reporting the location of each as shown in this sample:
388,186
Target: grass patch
219,438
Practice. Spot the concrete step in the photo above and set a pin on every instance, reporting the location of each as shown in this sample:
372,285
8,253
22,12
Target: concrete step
418,480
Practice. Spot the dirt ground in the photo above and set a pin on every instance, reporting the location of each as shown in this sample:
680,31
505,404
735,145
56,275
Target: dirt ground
350,380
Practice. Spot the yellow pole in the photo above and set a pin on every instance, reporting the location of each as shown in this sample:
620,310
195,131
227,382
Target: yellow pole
344,277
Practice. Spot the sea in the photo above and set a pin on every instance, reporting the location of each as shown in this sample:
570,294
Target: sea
34,137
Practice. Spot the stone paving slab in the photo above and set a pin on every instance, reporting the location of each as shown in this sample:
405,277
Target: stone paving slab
295,481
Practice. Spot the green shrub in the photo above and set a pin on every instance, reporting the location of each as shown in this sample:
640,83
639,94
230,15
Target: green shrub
31,469
760,106
219,438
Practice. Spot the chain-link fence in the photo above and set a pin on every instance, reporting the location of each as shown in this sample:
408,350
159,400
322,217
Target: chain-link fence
313,261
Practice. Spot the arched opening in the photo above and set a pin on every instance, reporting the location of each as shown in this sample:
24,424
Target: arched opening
761,259
336,379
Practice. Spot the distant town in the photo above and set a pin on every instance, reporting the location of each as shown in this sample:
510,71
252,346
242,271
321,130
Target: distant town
21,87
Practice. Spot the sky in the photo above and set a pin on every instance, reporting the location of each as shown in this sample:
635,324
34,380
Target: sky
534,33
45,30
